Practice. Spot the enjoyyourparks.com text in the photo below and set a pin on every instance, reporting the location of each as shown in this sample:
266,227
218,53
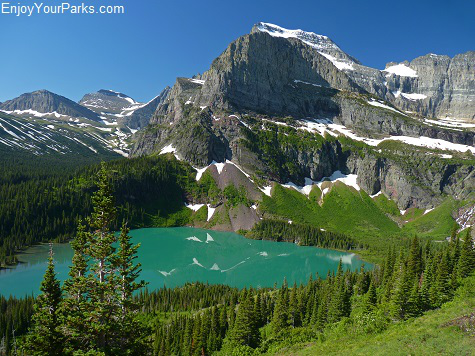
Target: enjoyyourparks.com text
40,8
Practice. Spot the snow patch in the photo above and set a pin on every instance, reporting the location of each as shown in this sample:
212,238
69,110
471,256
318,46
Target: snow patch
450,122
194,207
197,81
339,64
312,39
210,212
428,211
373,102
401,70
266,190
301,81
168,149
337,176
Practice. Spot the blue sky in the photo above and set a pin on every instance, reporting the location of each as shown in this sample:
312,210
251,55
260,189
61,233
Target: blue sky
145,49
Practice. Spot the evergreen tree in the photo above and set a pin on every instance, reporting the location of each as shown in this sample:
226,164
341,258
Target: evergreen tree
414,262
466,263
197,345
280,318
400,296
293,305
129,334
339,306
442,289
427,283
45,337
76,301
101,284
414,307
245,330
370,298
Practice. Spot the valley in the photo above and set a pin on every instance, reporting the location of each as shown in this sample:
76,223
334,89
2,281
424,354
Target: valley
289,199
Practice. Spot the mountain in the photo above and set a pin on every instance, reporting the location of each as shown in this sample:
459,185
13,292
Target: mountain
27,138
42,103
434,86
121,109
291,106
102,124
139,118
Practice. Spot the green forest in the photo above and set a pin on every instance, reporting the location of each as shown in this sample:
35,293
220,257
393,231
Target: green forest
123,317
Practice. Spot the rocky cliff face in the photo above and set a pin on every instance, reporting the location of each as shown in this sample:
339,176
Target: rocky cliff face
289,76
45,102
438,86
140,117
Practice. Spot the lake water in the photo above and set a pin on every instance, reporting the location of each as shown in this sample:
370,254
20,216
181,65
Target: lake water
174,256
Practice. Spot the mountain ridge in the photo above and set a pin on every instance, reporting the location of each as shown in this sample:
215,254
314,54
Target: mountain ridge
282,82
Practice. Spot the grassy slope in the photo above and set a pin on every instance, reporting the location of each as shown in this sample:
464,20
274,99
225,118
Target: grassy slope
373,221
431,334
436,224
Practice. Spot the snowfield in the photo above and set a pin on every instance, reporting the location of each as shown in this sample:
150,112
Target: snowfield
401,70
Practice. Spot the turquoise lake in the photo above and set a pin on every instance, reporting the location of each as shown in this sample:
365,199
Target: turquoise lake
174,256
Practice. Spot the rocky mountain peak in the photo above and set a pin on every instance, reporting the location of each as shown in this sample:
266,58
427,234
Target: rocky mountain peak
106,102
323,44
43,103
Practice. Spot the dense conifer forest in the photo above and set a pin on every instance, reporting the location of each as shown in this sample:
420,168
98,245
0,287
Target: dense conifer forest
197,318
303,234
46,199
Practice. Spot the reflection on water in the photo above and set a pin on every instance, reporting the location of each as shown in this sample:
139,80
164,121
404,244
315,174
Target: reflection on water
174,256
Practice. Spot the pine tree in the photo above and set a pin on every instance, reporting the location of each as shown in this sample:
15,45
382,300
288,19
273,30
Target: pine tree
76,301
105,306
101,283
245,330
197,339
223,321
414,304
45,337
442,288
400,296
293,305
280,318
370,298
129,333
414,261
427,283
339,306
466,263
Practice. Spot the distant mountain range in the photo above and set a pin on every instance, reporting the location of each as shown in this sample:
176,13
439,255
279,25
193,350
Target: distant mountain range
105,120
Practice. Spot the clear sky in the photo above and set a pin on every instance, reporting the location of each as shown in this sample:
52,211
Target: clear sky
155,41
